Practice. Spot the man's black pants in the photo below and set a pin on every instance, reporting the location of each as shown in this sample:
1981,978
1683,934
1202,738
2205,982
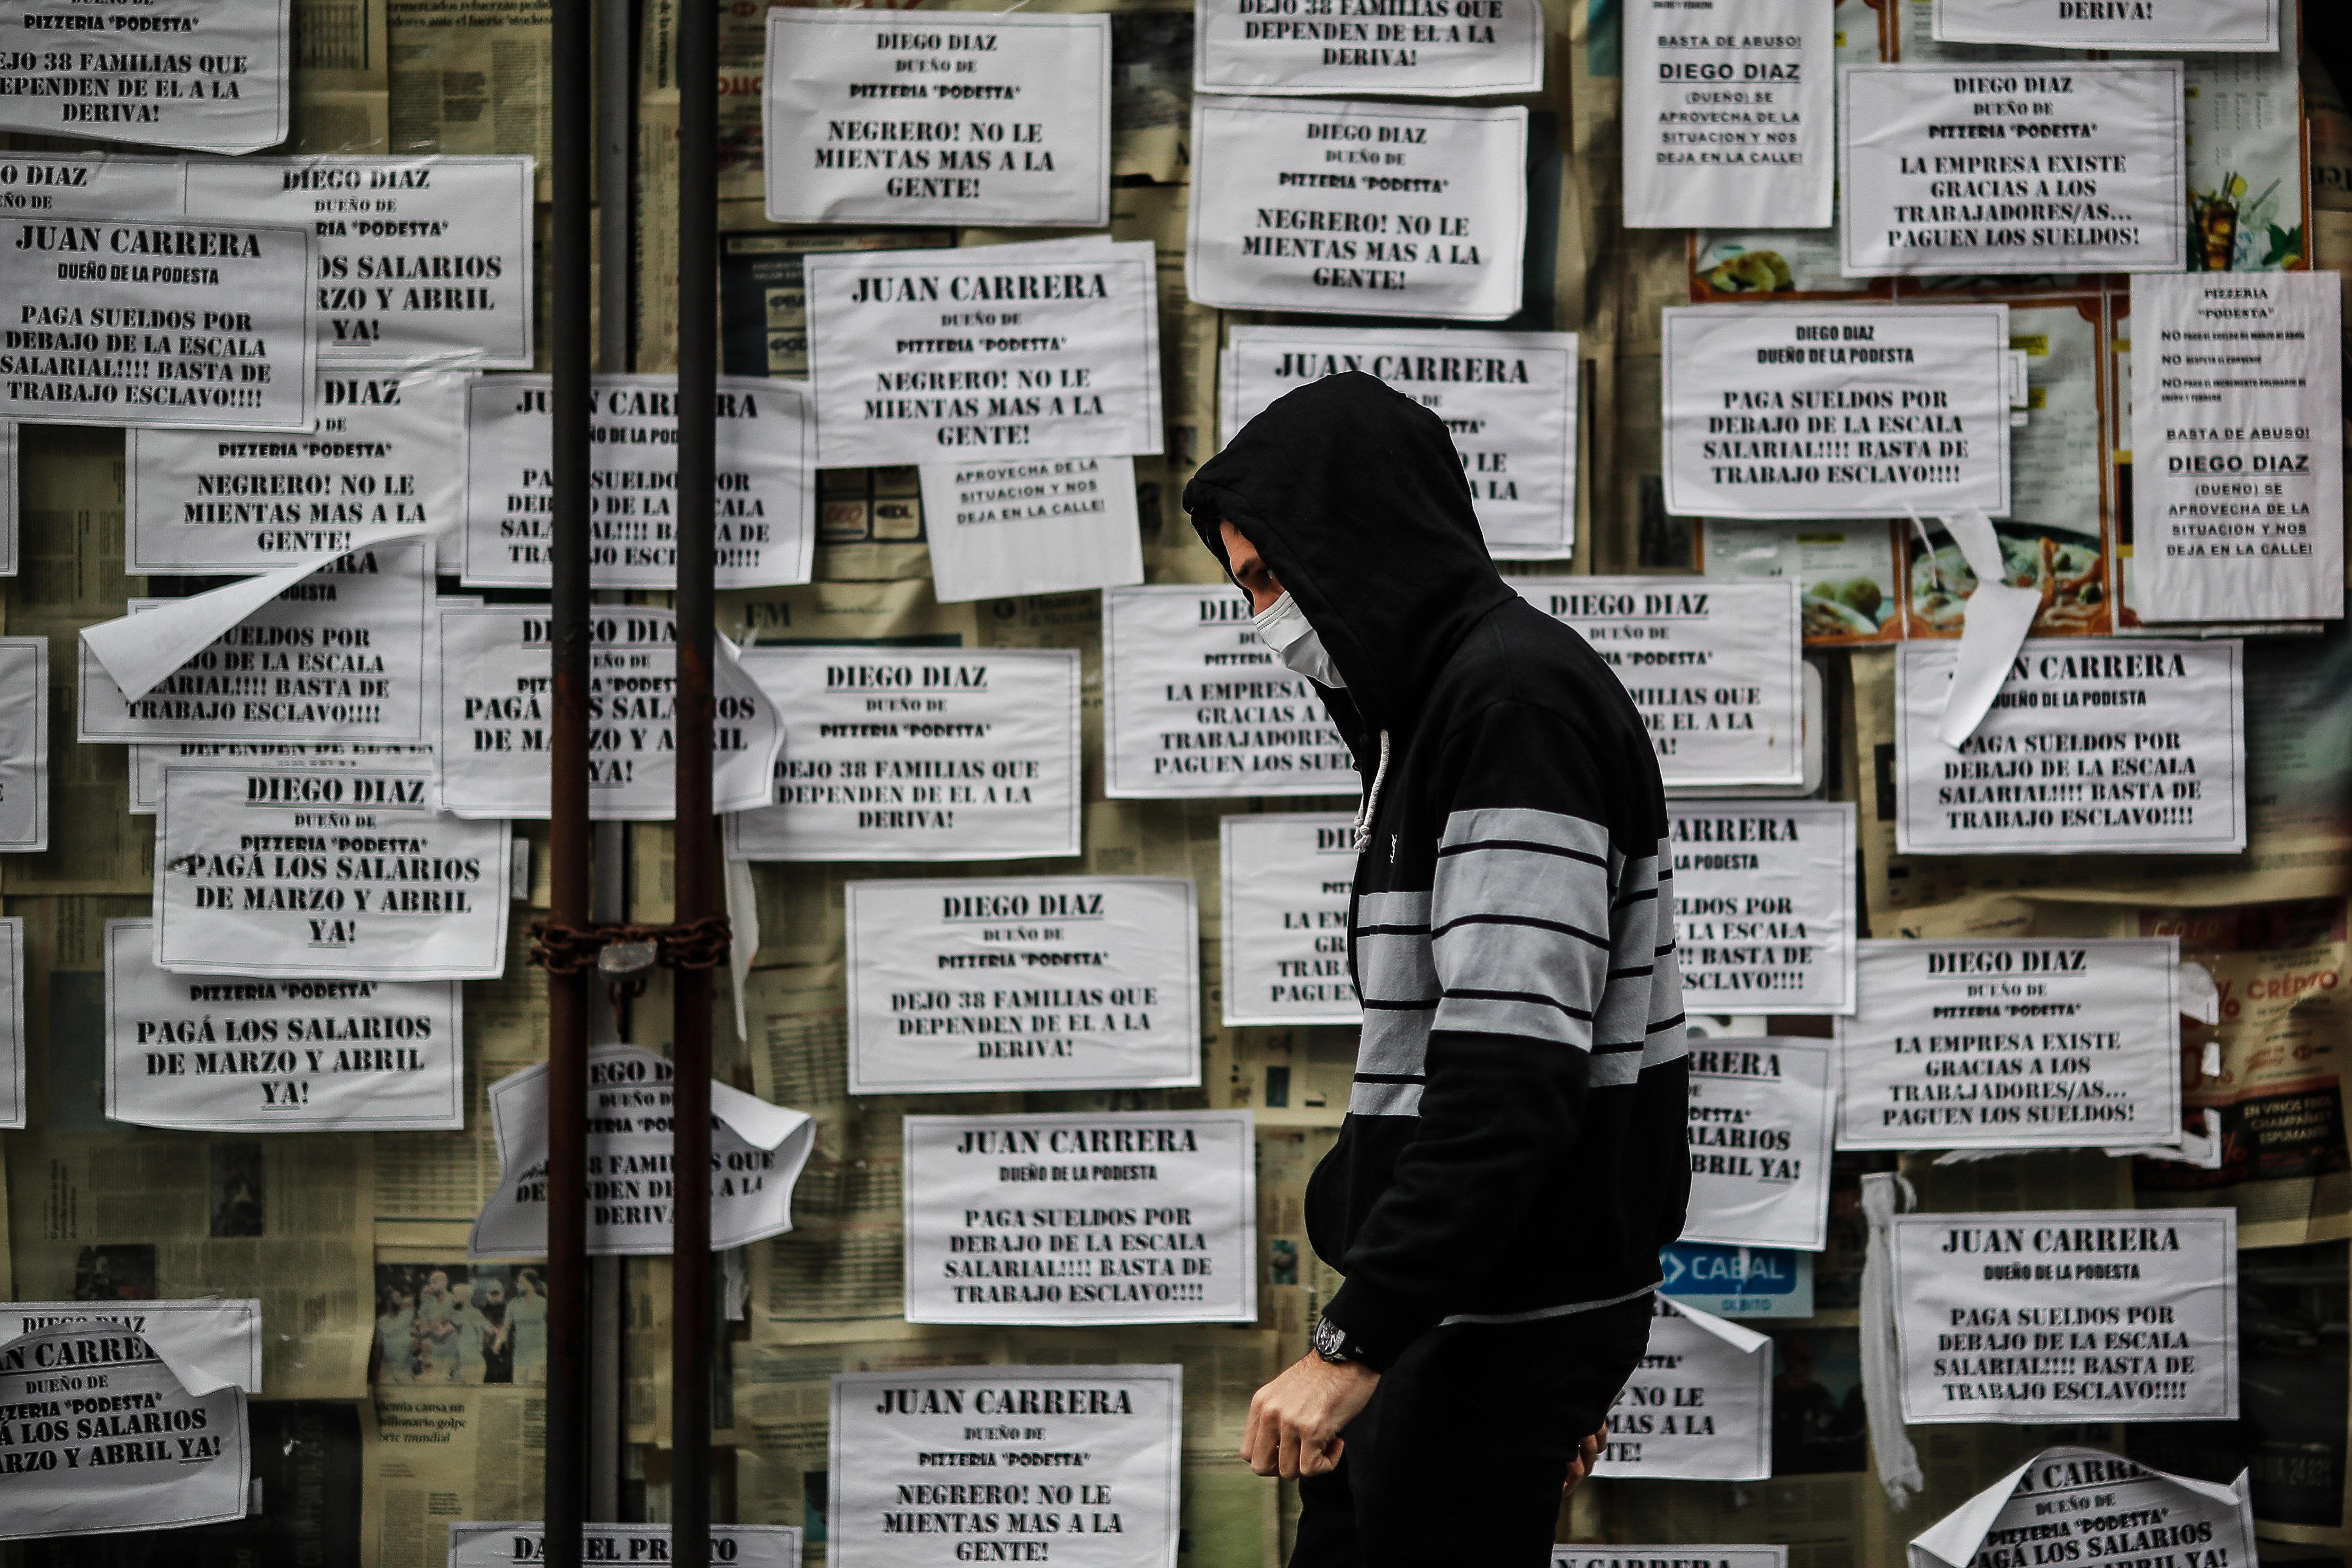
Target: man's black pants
1460,1456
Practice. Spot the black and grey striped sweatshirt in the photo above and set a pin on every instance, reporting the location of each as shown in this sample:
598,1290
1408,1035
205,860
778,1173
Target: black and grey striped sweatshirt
1514,1147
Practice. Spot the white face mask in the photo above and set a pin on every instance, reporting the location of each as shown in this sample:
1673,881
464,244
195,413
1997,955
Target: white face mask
1282,626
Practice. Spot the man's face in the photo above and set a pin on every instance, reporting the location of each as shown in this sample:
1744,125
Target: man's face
436,1283
1249,569
493,1295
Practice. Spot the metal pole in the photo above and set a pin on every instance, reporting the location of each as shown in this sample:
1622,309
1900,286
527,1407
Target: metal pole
570,875
697,879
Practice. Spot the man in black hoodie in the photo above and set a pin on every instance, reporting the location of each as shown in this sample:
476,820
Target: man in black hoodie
1513,1154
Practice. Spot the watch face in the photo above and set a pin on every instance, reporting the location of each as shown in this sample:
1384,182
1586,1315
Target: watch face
1330,1340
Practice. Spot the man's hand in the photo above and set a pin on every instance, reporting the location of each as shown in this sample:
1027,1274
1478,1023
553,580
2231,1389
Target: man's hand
1295,1421
1588,1454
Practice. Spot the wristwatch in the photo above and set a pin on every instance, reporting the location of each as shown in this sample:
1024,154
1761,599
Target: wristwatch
1331,1343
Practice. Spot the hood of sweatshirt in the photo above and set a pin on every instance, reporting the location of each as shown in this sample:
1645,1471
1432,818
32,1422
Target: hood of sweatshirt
1355,496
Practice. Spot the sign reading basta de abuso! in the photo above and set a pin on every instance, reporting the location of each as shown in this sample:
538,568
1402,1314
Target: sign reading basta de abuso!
1194,703
1716,667
2093,746
2089,1315
1090,1219
2024,1043
1003,983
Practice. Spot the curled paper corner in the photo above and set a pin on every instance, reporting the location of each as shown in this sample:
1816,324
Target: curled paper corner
1746,1341
1884,1195
2201,995
2202,1150
137,652
1999,617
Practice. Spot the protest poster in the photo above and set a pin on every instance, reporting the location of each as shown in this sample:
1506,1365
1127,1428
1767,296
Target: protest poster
86,182
8,478
2069,1505
2018,1043
1286,876
197,1053
1338,207
1089,1457
218,1340
2012,166
2092,746
914,357
480,1546
1584,1555
1007,983
1730,116
1836,411
997,120
1764,905
2237,414
280,873
24,743
2198,27
1031,524
1194,705
2088,1315
757,1150
764,504
1763,1112
209,79
389,449
111,1435
1700,1407
339,654
1717,668
916,754
1082,1221
492,715
148,762
1288,47
422,261
13,1043
157,321
1508,398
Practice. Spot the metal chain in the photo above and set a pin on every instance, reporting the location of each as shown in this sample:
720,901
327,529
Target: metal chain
565,949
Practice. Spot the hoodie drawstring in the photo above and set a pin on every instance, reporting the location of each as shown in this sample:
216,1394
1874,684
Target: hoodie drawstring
1371,799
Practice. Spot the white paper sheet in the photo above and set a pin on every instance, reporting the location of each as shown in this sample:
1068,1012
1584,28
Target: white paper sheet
290,874
421,260
917,754
1700,1407
1715,666
389,449
1001,120
1031,524
1762,1109
765,500
1009,983
2198,27
13,1043
202,324
2237,420
1133,1218
1286,876
2094,744
1193,704
162,1457
1358,208
1110,1435
2029,1042
479,1545
2016,167
2076,1503
1999,616
208,1344
1485,50
9,509
85,183
493,708
1508,398
201,1054
2090,1316
1764,905
914,357
218,84
24,743
757,1150
1584,1555
1730,116
148,762
1835,411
